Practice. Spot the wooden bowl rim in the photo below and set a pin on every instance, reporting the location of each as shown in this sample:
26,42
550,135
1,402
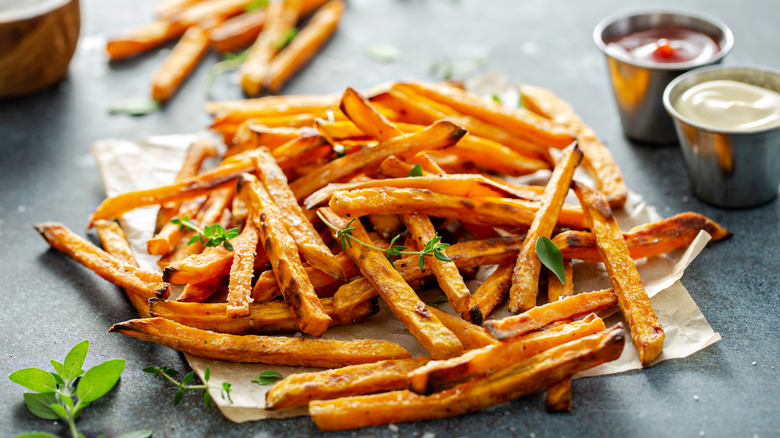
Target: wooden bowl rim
34,10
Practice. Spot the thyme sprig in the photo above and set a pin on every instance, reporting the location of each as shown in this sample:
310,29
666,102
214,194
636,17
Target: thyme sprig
212,235
185,385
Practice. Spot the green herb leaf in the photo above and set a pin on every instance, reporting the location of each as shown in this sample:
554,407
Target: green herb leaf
286,38
36,435
207,374
38,404
207,399
417,170
58,367
496,99
144,433
99,379
177,397
266,377
188,378
383,53
59,410
550,256
135,107
74,360
35,379
256,5
438,300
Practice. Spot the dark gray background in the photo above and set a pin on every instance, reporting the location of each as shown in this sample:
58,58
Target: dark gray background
46,173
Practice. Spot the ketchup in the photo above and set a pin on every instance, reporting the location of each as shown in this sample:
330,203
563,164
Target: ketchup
664,45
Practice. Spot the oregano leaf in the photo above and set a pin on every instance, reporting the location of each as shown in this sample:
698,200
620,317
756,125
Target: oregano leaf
551,257
38,405
99,379
35,379
74,360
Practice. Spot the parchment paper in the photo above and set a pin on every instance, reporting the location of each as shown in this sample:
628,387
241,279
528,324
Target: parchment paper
127,165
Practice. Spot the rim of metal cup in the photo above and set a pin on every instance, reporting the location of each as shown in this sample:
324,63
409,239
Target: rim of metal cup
727,37
676,82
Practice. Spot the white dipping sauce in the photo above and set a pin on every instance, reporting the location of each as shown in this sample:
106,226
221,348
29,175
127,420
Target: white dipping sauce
730,105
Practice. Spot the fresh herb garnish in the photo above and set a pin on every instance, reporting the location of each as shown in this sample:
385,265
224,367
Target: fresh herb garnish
140,106
56,395
267,377
441,299
550,256
256,5
212,235
383,53
417,170
184,385
433,248
230,62
496,99
286,38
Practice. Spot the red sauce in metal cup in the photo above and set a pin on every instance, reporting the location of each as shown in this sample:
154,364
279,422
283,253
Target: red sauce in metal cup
664,45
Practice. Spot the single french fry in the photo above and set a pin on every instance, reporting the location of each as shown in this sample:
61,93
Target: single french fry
598,160
300,389
138,281
237,32
645,240
306,238
450,280
210,13
439,135
443,374
494,212
198,152
142,38
470,186
541,316
241,271
646,330
366,118
525,278
264,318
115,243
518,121
492,292
180,63
402,299
296,288
495,157
271,350
523,378
200,292
466,255
281,18
308,41
470,335
557,290
237,111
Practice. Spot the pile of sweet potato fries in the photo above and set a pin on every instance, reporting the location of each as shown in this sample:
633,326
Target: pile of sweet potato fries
322,191
277,49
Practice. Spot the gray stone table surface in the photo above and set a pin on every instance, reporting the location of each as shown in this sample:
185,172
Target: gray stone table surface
46,173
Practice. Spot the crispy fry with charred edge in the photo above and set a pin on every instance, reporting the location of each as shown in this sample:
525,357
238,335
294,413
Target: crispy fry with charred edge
308,41
525,278
470,335
138,281
444,374
241,271
198,151
271,350
266,288
306,238
450,280
300,389
264,318
281,18
645,240
492,292
237,32
540,316
598,160
440,342
211,263
114,242
222,176
557,290
142,38
180,63
439,135
646,330
366,118
494,212
518,121
523,378
418,109
465,254
288,269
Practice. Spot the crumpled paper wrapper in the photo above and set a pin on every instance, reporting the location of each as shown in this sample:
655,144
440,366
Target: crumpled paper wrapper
127,165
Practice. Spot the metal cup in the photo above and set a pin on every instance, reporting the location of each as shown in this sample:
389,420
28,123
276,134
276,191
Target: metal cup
728,168
638,86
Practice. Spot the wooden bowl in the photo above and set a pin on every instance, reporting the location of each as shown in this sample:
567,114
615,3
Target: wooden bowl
37,41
